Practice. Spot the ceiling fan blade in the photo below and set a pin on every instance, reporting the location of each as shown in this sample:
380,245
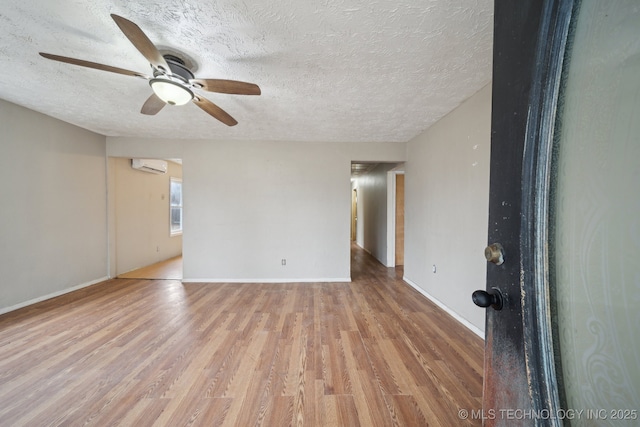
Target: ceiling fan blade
141,42
227,86
214,110
153,105
94,65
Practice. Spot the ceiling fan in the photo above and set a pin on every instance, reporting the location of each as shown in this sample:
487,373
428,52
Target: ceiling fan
172,82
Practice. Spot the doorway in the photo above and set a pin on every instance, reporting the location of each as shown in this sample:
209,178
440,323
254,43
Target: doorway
144,242
377,211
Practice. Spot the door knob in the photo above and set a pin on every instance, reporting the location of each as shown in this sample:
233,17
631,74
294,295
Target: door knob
485,299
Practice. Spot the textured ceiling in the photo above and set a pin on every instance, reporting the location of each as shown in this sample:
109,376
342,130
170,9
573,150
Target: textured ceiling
329,70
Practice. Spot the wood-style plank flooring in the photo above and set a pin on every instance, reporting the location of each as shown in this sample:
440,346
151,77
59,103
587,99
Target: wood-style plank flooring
133,352
167,269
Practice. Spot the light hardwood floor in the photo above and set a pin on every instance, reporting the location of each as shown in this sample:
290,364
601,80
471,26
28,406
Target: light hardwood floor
158,352
167,269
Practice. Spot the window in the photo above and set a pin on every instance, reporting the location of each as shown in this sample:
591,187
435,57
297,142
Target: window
175,207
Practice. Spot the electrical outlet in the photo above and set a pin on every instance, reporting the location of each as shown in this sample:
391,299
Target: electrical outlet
157,248
284,261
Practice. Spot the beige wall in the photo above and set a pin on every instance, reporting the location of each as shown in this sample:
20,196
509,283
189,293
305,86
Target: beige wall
54,213
447,205
140,209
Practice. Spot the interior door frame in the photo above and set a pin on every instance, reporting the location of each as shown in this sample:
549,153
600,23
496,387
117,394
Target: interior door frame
112,229
354,215
530,41
391,216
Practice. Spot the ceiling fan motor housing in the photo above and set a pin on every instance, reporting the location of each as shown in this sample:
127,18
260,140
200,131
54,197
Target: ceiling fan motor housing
178,68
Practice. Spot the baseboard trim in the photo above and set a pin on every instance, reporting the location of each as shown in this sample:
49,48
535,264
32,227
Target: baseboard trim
449,311
305,280
4,310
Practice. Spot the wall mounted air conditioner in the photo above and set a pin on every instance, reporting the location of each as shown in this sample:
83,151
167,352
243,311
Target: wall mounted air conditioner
149,165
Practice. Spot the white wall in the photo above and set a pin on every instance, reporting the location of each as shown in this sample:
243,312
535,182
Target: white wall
446,207
141,209
373,211
53,222
248,205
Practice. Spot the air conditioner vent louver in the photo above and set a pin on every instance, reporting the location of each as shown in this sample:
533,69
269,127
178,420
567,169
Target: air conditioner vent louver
149,165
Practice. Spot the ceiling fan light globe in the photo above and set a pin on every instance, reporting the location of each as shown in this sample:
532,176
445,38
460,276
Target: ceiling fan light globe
171,92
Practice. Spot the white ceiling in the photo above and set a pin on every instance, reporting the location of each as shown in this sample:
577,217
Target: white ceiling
329,70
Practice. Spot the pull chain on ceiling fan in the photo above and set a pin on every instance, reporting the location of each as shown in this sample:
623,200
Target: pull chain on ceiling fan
172,82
